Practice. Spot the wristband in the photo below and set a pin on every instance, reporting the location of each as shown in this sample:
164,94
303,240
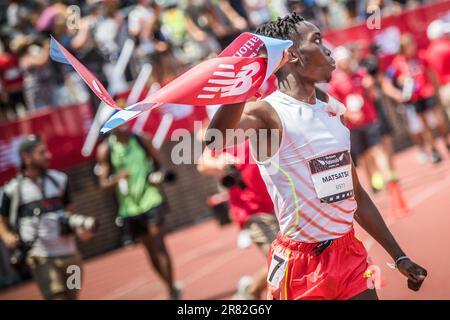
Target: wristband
395,264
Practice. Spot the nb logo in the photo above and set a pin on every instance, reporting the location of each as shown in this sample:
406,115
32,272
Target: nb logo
230,83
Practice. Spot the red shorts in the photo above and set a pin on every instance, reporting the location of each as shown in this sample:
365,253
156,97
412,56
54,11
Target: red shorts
338,273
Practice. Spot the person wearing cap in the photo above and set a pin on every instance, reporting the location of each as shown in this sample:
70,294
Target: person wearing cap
31,207
438,57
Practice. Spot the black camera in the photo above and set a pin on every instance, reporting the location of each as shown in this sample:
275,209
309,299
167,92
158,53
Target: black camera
159,177
70,222
67,222
19,254
233,178
371,65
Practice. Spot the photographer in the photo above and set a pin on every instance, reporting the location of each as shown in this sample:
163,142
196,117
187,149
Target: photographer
130,165
35,221
251,206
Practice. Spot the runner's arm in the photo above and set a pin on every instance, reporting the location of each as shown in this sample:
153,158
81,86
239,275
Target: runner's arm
242,115
370,219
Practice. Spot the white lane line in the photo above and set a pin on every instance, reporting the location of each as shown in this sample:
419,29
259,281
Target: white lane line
123,290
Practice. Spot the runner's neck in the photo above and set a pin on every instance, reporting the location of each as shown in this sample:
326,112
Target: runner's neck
301,91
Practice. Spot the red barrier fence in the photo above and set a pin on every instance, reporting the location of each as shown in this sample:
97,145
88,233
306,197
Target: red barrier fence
64,129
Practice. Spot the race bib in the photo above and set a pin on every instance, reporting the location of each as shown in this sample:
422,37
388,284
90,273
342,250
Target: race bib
276,270
332,177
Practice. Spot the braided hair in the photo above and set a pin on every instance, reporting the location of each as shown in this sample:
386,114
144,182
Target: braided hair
282,28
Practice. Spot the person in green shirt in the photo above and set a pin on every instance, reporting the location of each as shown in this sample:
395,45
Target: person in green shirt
126,163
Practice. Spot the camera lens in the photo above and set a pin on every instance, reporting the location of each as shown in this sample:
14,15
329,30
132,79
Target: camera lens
170,176
228,181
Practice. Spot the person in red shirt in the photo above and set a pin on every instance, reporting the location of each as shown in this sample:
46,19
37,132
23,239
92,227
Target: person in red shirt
438,51
352,86
11,76
382,91
438,57
410,71
250,204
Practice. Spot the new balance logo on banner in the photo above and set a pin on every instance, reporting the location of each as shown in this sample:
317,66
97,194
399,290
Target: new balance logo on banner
231,83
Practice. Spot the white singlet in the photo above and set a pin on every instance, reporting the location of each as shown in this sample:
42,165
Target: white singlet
309,178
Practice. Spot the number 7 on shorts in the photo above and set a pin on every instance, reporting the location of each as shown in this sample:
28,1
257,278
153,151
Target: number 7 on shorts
276,270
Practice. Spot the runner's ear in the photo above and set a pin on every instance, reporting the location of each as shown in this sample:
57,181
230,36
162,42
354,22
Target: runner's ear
292,56
262,52
284,60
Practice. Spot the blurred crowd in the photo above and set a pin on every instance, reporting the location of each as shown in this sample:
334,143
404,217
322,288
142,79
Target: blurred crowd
171,35
167,34
413,93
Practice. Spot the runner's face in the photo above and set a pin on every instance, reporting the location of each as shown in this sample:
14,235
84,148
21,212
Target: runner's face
312,59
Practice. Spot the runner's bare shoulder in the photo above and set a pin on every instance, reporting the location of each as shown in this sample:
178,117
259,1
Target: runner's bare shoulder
264,113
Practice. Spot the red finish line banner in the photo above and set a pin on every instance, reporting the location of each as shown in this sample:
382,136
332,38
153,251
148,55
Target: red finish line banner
184,116
235,76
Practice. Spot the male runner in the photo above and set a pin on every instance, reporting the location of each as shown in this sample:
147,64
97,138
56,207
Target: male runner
314,188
